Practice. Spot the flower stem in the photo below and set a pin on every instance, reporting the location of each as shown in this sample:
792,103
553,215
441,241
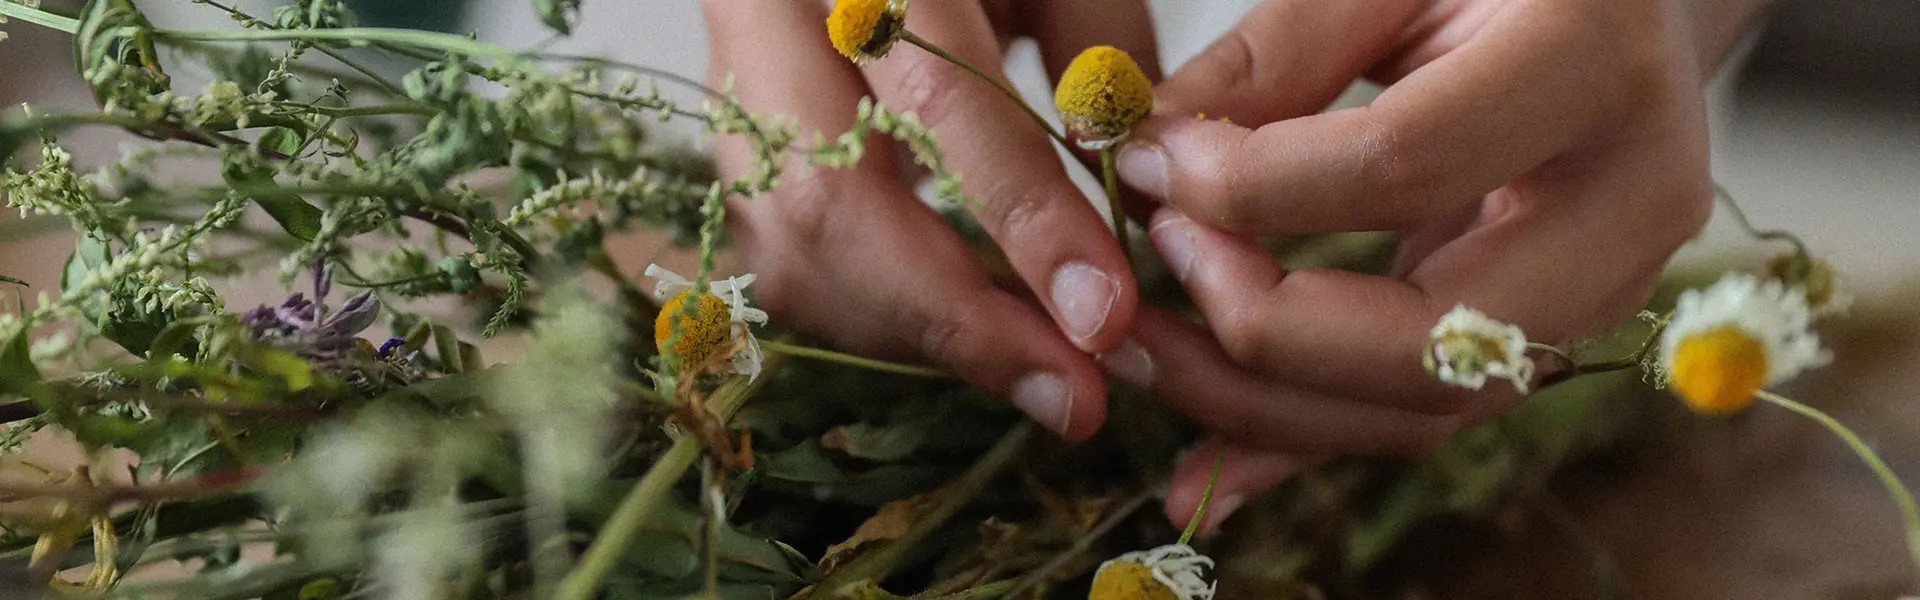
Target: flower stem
1200,511
39,17
856,361
1007,90
583,583
1909,511
1110,180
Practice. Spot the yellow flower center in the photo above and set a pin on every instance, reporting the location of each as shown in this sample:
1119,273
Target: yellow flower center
704,332
1717,372
1102,94
1128,581
863,30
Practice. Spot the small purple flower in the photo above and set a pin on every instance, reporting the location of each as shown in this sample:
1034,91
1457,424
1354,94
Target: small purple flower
386,349
305,327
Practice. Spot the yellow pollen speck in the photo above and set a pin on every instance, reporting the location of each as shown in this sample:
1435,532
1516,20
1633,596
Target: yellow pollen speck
1102,94
1128,581
864,30
1717,372
702,334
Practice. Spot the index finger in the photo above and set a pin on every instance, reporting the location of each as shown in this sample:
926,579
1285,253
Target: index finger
1053,236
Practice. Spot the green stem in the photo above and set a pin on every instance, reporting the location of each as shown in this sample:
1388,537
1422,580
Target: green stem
39,17
1206,495
1110,180
583,583
354,35
1909,511
856,361
980,592
1575,369
1007,90
1726,199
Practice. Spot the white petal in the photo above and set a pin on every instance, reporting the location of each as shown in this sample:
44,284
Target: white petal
670,282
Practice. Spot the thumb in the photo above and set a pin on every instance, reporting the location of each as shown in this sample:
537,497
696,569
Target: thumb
1286,58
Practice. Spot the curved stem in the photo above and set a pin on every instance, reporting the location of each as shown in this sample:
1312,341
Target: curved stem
1110,180
1006,90
1200,510
1909,511
856,361
1726,199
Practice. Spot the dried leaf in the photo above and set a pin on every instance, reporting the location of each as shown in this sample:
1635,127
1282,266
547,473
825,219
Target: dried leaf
890,522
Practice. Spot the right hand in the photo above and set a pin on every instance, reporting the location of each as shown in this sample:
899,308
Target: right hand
853,257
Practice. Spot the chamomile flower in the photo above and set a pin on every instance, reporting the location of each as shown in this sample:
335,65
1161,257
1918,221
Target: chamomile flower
1736,337
1467,347
720,319
1170,572
864,30
1102,94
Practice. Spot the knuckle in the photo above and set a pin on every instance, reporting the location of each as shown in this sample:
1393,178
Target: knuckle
925,88
942,334
1230,60
1402,177
1014,208
1239,333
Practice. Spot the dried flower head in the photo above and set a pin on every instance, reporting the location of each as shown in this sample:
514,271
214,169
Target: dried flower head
864,30
1102,94
1825,289
1467,347
719,322
1170,572
1738,336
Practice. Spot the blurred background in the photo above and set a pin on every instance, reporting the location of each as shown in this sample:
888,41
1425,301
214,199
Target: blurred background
1816,130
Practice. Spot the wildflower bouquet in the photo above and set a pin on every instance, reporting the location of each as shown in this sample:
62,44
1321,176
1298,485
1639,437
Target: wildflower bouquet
352,440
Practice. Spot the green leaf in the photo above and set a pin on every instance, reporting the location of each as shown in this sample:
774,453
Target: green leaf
18,376
298,218
447,346
806,462
282,140
554,13
175,338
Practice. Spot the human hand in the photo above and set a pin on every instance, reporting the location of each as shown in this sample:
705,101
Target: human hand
853,257
1540,160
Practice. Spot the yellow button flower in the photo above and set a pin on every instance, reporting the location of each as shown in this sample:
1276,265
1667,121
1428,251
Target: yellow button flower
1170,572
701,333
720,321
1736,337
1102,94
864,30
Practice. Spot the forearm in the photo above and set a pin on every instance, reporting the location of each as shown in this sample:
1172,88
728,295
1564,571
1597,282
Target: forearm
1719,25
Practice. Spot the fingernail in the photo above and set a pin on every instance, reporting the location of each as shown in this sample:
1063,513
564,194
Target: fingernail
1044,397
1174,239
1131,363
1219,509
1084,296
1144,167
